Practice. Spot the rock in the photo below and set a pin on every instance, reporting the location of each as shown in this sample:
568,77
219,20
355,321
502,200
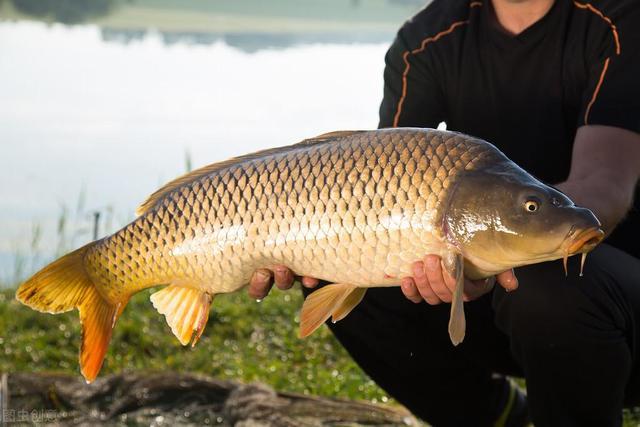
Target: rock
177,399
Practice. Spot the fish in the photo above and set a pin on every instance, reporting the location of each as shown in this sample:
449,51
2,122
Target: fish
353,208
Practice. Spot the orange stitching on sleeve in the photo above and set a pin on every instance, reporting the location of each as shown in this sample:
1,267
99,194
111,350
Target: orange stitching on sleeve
616,39
407,65
614,30
423,45
595,92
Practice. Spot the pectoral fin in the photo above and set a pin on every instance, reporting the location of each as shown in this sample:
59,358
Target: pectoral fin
320,305
186,311
454,264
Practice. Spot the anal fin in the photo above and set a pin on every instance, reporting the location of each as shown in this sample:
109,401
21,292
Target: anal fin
186,310
329,300
454,264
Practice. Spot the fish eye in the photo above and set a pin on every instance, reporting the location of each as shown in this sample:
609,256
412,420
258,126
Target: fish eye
532,205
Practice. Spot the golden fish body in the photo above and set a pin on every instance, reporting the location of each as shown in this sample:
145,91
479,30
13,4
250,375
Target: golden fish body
353,208
357,209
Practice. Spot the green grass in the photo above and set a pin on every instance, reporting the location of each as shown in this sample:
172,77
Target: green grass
244,340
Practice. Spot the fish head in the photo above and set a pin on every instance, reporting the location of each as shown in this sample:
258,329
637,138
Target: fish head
501,217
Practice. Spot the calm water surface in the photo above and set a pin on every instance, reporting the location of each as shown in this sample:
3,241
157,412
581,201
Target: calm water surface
88,125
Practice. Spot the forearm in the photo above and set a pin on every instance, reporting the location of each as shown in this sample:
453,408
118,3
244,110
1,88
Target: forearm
604,172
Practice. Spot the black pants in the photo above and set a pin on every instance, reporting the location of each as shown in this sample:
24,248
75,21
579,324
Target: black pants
573,338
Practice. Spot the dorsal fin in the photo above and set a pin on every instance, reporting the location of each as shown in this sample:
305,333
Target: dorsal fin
206,170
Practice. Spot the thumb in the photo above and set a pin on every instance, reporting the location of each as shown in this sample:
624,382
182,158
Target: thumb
508,280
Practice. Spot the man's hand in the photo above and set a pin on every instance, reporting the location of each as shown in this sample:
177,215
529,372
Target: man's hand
433,284
430,282
263,279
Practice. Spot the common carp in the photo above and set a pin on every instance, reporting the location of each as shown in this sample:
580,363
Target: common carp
354,208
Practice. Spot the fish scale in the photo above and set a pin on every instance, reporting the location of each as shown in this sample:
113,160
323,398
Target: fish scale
353,208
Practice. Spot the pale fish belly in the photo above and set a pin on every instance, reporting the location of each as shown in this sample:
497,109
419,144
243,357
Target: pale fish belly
374,252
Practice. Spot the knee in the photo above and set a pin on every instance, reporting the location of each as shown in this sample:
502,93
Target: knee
548,306
536,309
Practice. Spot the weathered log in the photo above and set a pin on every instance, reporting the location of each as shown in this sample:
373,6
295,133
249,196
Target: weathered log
177,399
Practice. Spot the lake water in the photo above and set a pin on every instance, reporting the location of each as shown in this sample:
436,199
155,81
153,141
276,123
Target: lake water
92,125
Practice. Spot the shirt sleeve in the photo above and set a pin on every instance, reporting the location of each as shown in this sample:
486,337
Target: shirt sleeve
612,96
412,97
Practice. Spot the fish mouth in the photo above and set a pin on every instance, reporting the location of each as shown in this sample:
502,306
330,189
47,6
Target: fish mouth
583,243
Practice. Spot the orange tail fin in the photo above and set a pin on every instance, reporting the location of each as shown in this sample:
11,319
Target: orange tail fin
64,285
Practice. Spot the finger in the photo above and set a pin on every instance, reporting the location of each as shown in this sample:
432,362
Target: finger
283,277
310,282
508,280
410,290
260,284
422,283
433,270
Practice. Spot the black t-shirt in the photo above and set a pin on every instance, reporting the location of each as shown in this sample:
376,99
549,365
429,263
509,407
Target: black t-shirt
528,94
